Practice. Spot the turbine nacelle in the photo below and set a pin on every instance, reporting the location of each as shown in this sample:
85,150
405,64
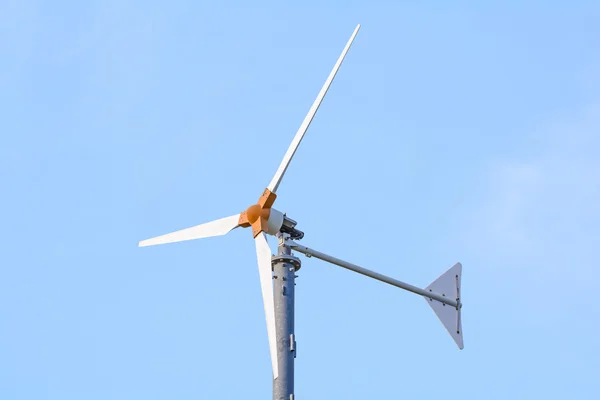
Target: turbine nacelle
263,218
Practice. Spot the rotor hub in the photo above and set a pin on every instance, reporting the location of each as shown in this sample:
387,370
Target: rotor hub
258,215
255,212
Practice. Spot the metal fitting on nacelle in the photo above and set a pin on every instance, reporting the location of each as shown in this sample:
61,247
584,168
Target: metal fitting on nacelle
289,227
288,222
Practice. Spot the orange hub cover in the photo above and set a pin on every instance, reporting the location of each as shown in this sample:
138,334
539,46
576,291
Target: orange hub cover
257,215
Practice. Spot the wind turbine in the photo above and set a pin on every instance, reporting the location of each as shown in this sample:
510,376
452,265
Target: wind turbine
277,273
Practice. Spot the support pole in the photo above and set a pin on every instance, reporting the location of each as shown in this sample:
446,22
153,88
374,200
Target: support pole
284,273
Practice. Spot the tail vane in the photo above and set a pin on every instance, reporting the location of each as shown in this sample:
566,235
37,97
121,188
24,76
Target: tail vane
448,284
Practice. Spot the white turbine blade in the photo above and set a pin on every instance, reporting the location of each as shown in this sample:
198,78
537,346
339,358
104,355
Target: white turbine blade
448,284
308,119
218,227
263,253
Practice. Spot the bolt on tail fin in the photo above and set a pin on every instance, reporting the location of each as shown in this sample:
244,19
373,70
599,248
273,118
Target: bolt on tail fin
448,284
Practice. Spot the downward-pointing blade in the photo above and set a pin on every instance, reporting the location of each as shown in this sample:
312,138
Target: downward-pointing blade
218,227
263,253
308,119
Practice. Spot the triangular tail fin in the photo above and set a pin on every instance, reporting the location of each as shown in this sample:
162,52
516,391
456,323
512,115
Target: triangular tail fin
448,284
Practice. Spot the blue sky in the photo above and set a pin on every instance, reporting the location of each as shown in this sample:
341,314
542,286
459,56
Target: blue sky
453,132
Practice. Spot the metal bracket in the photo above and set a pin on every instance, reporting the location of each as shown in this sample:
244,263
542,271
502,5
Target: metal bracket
293,344
295,261
283,238
289,242
289,227
458,306
458,303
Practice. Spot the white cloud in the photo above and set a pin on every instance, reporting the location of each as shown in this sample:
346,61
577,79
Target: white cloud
512,187
533,237
542,210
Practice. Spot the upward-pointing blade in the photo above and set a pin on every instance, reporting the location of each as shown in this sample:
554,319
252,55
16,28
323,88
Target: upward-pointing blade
308,119
263,253
214,228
